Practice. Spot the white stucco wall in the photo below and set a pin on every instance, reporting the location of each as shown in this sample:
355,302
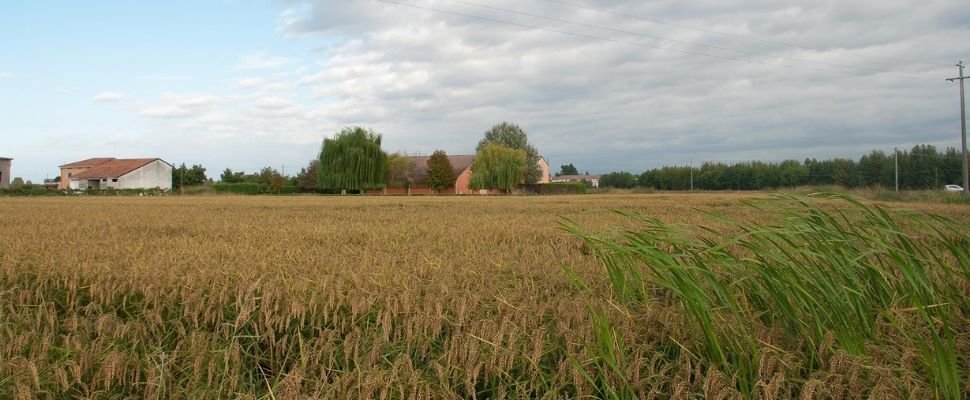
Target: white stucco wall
157,174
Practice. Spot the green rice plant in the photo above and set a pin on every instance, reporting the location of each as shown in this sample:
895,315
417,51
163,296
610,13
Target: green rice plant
818,269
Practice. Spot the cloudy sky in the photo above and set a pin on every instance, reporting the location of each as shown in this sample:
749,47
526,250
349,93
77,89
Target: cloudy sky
603,84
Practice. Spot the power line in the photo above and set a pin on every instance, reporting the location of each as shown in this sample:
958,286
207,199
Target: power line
756,53
593,37
656,21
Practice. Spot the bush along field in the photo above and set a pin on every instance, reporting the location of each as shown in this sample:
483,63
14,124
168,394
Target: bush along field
674,296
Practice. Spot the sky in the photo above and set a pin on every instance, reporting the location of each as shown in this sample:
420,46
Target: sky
605,85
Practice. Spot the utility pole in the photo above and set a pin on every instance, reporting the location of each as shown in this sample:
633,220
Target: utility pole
963,129
896,161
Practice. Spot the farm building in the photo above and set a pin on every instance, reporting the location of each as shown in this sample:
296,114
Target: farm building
462,166
594,180
69,170
115,173
544,167
5,172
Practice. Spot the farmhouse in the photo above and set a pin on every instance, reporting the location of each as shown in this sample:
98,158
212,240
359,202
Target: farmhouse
462,167
115,173
594,180
544,167
5,172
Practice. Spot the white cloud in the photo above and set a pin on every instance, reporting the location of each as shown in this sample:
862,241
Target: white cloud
6,75
108,97
249,82
175,105
262,60
634,100
273,103
645,93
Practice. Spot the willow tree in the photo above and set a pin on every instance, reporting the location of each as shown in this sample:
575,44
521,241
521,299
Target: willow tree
498,167
514,137
352,160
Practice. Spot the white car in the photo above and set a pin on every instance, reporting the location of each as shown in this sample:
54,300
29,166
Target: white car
953,188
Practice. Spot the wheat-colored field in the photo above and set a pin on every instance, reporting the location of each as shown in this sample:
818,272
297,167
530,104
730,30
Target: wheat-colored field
369,297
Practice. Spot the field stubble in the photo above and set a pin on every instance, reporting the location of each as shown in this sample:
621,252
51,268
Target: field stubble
361,297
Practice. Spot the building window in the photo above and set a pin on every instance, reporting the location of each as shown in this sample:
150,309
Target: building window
69,174
115,180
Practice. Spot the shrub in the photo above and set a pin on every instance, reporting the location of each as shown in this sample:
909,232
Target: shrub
557,188
253,188
238,188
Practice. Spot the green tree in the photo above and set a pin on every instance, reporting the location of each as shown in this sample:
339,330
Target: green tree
402,172
17,183
498,167
352,160
184,176
228,176
440,173
876,168
626,180
568,169
924,167
792,173
512,136
951,167
306,180
269,177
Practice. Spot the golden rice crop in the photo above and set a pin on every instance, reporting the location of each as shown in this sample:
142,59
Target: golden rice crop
367,297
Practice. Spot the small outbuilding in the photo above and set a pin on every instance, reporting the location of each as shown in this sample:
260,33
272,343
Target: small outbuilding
594,180
5,172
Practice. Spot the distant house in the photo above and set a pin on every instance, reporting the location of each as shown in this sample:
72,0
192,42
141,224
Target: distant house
116,173
594,180
544,167
461,165
5,172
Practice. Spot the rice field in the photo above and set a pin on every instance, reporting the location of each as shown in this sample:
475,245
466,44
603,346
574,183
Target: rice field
681,296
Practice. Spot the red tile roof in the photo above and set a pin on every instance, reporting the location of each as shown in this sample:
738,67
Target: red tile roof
114,168
458,163
91,162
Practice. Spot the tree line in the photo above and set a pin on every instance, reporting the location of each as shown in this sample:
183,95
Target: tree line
922,167
354,160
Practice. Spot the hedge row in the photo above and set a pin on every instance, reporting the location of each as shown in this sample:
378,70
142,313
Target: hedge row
556,188
28,191
252,188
